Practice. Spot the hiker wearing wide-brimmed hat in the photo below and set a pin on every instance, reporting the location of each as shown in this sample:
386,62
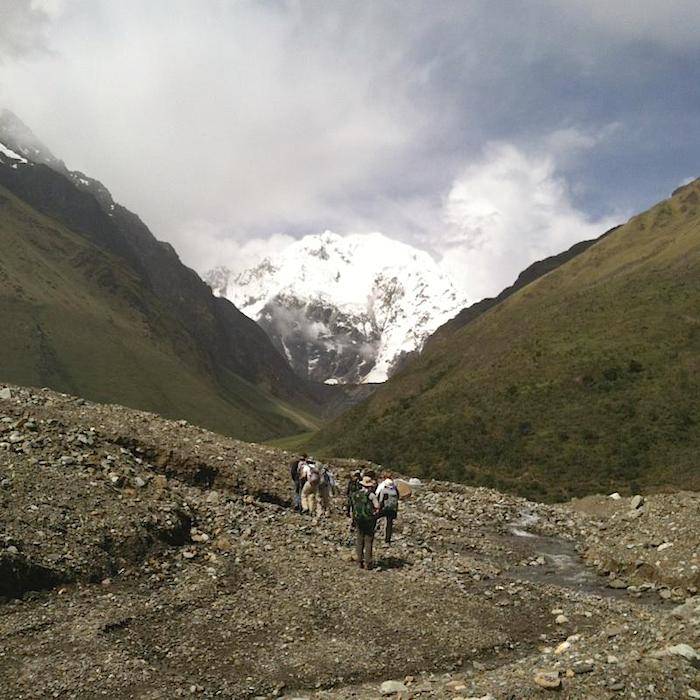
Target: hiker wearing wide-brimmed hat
365,507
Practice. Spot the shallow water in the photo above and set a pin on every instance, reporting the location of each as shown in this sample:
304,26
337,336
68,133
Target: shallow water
563,565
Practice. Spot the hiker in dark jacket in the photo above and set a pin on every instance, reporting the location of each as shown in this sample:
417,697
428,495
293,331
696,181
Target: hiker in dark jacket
295,473
353,485
365,507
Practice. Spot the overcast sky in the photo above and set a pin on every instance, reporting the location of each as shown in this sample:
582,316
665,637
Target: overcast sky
491,133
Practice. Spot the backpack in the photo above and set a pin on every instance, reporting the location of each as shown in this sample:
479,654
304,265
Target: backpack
329,480
314,475
390,501
363,511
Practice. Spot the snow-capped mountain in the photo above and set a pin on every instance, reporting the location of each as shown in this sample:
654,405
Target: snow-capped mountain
344,309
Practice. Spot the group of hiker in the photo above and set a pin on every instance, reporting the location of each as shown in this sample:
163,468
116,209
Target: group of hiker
367,501
314,484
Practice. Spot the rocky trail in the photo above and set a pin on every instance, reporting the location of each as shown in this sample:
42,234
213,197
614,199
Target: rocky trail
147,558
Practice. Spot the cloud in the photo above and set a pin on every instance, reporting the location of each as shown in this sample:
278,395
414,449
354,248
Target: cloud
507,210
223,124
24,26
672,24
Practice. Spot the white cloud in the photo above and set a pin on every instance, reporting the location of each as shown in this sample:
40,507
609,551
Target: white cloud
504,212
247,113
220,122
205,245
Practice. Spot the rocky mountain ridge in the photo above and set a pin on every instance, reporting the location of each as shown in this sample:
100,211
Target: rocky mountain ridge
343,309
144,557
98,306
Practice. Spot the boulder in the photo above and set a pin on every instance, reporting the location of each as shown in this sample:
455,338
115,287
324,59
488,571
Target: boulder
637,501
548,679
404,488
686,651
392,687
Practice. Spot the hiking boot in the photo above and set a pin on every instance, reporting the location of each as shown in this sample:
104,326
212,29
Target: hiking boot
361,564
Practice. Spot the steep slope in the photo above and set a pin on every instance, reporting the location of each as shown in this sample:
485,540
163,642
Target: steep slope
343,309
584,380
245,387
527,276
78,319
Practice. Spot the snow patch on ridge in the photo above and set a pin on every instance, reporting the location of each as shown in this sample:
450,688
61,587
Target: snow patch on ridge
9,153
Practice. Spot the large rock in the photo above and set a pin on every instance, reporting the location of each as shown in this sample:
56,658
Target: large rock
687,652
637,501
5,393
392,687
548,679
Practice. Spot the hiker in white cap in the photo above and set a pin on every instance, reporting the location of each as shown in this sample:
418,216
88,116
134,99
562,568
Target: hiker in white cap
365,507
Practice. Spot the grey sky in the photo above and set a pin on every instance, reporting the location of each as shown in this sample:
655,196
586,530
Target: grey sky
490,132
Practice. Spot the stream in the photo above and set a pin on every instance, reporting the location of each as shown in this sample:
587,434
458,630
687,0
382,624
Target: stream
563,564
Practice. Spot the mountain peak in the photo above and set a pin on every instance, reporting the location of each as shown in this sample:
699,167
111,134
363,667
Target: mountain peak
344,309
15,134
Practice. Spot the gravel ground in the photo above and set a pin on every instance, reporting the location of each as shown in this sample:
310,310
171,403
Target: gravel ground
148,558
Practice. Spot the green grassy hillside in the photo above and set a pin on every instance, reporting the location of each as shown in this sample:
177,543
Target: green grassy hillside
587,379
77,318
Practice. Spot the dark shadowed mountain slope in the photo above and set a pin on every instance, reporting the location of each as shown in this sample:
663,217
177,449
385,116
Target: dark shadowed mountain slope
94,254
586,379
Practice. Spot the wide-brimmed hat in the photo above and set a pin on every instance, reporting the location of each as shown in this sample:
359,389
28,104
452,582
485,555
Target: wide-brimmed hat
368,481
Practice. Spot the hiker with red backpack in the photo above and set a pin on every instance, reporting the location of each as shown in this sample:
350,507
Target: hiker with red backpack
388,497
365,508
